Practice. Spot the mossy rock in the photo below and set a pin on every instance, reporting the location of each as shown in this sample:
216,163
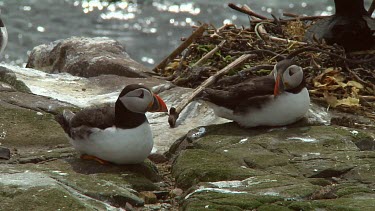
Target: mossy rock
27,128
292,163
345,204
226,201
38,198
10,78
194,166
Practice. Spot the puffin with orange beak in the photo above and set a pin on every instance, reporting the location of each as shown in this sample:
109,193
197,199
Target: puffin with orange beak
119,134
278,99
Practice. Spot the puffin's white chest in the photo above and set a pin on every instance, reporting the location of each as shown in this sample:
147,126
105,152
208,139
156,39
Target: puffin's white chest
285,109
121,146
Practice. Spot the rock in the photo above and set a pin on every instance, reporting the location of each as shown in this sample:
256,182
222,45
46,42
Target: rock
4,153
10,78
86,57
149,197
157,158
163,194
176,192
298,167
45,168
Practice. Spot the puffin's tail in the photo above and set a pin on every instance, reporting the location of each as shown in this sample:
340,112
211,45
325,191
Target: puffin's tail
64,120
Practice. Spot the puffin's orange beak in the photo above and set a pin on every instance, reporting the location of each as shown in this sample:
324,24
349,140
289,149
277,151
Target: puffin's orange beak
279,85
158,105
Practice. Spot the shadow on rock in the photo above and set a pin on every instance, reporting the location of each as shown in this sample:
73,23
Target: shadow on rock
147,168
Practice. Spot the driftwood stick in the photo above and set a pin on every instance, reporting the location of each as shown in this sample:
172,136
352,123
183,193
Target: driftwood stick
175,112
197,33
209,54
288,14
287,41
300,18
246,11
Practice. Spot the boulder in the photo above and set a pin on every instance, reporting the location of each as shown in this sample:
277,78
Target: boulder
86,57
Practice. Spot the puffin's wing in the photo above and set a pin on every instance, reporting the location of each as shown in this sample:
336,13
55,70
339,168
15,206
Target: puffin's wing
252,103
82,123
240,93
263,85
101,118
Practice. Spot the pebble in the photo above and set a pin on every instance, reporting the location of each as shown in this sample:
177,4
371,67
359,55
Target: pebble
149,197
157,158
176,192
4,153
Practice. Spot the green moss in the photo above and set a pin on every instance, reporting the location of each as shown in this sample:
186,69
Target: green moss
348,190
26,128
363,141
273,207
204,206
265,160
319,181
242,201
345,204
47,198
193,166
300,206
139,182
11,79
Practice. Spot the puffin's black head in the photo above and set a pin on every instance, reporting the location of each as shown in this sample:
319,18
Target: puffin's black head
287,76
139,99
352,8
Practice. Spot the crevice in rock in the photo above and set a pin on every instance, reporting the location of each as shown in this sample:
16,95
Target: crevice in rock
83,197
327,173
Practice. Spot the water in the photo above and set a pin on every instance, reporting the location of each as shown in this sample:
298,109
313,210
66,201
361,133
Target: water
150,30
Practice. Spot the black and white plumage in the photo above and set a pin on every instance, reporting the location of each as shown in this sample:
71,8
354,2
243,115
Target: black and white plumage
280,98
119,134
3,36
351,27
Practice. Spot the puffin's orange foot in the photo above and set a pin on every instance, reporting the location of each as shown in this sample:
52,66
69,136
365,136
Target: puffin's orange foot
91,157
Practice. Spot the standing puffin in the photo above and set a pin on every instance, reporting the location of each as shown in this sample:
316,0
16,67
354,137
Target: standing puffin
120,134
280,98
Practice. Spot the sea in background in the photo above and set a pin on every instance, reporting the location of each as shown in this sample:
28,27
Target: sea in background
149,30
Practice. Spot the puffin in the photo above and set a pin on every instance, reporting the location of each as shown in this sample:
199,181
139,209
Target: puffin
351,27
278,99
3,36
119,134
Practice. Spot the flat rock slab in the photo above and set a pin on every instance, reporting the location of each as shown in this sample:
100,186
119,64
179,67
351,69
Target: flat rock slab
73,184
40,171
290,168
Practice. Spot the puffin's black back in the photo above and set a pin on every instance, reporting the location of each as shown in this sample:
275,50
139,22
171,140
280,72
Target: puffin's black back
104,117
351,27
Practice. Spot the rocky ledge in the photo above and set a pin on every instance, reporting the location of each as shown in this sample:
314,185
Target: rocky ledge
224,167
317,164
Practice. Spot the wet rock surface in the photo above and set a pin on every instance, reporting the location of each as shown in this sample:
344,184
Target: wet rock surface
290,168
324,162
86,57
41,171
